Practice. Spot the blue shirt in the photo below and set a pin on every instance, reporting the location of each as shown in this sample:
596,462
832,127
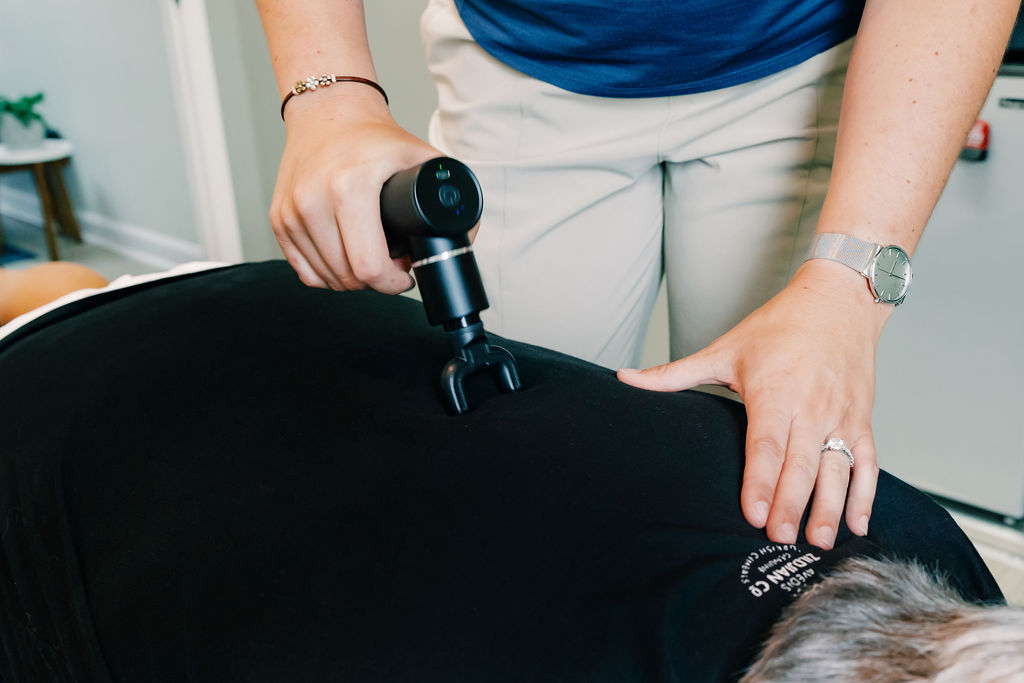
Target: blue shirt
649,48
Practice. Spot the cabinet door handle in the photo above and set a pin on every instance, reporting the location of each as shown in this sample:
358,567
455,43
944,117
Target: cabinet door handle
1011,102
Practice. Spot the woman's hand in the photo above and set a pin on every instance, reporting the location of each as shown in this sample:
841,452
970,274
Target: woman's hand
804,364
342,145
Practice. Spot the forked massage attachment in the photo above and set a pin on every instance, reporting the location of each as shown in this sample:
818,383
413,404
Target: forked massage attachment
427,212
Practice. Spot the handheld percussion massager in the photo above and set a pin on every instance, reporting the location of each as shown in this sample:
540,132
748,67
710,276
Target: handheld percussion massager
427,212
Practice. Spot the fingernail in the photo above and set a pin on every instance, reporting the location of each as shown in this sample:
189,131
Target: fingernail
862,525
827,537
760,513
628,370
787,533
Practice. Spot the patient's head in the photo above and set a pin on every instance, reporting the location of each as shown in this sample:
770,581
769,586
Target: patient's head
879,620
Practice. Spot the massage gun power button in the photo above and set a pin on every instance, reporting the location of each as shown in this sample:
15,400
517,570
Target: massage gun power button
449,195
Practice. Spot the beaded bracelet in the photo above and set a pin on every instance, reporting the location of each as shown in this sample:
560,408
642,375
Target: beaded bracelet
314,82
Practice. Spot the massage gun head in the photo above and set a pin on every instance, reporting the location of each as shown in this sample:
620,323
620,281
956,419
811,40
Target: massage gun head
427,212
440,198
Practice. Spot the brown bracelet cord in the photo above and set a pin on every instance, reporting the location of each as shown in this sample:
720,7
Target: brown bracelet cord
314,82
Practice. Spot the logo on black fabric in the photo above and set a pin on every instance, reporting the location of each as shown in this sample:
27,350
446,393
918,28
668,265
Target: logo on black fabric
777,567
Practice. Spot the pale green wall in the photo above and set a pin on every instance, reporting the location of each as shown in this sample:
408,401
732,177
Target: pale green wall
104,68
394,28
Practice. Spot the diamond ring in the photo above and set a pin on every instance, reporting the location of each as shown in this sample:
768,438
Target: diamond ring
837,444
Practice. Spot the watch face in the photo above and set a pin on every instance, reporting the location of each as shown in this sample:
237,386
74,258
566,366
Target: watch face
890,278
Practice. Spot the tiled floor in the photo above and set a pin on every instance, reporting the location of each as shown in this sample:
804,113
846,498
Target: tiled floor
1002,547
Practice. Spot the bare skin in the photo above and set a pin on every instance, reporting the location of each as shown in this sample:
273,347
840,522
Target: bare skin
804,363
24,290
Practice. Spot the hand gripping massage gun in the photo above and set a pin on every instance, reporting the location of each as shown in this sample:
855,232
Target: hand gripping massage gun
427,212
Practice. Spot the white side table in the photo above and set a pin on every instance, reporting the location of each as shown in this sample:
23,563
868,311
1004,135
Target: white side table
45,162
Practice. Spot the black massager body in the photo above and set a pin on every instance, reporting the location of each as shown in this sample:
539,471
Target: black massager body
427,212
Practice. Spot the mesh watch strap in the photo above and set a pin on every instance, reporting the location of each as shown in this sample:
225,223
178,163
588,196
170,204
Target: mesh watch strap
845,249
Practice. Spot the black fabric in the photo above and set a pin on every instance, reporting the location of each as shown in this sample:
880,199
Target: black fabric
232,477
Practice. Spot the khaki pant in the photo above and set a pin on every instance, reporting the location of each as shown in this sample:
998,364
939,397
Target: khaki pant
588,201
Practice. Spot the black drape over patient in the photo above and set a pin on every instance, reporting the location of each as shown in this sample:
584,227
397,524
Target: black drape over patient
231,477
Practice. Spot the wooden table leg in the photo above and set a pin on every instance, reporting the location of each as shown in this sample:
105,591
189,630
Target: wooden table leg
46,203
59,191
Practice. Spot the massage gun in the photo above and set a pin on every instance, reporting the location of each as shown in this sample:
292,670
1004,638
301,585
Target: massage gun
427,212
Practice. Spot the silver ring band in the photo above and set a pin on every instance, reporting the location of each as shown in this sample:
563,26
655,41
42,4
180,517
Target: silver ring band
837,444
443,256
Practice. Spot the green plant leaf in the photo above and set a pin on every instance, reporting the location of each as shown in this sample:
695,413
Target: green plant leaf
23,108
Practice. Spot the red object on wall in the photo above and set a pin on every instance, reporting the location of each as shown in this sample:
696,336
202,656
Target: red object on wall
976,146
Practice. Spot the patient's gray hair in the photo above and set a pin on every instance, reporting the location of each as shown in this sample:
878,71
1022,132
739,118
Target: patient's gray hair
882,620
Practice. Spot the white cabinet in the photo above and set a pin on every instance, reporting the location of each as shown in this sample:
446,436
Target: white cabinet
949,410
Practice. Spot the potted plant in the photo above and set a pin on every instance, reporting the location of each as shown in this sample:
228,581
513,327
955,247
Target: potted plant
20,124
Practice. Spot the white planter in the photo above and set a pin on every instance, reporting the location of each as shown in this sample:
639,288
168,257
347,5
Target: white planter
16,135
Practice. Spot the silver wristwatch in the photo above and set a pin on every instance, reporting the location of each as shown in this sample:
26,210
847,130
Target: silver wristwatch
887,269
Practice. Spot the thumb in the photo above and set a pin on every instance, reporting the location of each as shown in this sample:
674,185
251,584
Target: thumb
684,373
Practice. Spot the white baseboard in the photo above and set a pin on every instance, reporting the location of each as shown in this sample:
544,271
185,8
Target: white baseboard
131,241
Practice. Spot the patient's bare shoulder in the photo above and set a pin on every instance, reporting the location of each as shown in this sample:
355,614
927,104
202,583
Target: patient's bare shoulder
24,290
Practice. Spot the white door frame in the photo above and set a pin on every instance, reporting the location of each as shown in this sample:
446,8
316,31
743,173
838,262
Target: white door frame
194,84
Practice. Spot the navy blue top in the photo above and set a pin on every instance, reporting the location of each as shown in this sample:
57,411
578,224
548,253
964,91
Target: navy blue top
650,48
